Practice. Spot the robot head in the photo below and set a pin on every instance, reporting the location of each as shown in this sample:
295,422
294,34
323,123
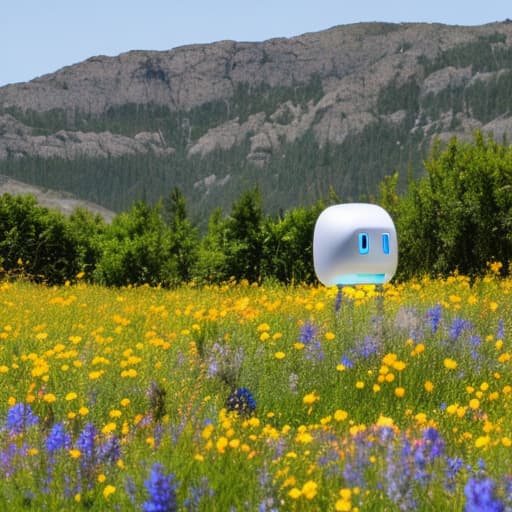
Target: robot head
354,243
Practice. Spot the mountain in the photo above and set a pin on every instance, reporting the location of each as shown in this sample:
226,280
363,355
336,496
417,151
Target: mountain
339,108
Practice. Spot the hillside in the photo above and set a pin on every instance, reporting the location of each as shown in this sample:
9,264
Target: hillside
56,200
343,108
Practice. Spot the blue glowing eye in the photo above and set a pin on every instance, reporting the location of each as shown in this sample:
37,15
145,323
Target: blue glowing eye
385,243
364,243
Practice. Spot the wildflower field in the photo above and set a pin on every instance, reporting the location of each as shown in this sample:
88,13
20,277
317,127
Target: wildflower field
242,397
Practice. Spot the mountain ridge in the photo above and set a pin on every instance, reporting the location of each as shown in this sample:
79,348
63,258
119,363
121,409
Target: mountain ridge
215,118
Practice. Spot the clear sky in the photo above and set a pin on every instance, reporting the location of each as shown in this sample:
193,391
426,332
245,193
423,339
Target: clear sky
41,36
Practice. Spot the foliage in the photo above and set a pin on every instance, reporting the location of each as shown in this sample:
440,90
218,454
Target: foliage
36,240
288,246
244,237
460,215
88,230
134,247
181,255
211,265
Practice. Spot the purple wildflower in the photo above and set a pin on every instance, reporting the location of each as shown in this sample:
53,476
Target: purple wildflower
20,417
400,477
434,442
500,333
453,467
475,340
429,448
346,362
434,317
313,350
370,346
307,333
218,354
58,439
268,503
110,451
481,496
131,489
85,442
459,325
162,491
7,456
196,495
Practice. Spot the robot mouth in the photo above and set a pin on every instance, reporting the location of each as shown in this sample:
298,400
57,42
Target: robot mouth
360,279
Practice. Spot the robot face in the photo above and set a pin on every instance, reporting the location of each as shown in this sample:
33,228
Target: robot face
354,243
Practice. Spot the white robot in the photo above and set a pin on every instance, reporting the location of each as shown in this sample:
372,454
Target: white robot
354,243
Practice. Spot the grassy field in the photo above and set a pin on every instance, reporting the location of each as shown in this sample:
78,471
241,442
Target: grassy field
243,397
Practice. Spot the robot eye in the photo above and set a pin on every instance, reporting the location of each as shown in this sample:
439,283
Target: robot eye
364,243
385,243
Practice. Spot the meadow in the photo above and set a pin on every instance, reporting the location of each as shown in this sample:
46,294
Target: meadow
257,397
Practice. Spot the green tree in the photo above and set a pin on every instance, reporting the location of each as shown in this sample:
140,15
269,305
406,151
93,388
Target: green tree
38,238
88,230
134,249
211,263
183,240
244,237
288,245
459,216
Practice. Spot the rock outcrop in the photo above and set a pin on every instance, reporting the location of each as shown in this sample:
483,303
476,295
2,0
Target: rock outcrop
18,140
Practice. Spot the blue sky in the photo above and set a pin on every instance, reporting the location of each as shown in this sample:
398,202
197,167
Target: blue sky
41,36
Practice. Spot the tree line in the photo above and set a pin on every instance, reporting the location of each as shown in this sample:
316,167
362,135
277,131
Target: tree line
458,216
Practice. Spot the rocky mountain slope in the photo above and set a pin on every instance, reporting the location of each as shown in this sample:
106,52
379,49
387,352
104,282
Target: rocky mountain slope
365,99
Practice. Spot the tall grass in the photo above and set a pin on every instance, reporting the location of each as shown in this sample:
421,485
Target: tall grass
243,397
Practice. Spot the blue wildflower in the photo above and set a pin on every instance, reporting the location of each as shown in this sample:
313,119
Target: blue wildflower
58,439
110,451
7,456
459,325
500,333
314,351
453,467
370,346
85,443
386,433
434,317
131,489
20,417
425,453
434,442
196,494
357,463
307,333
481,496
162,491
475,340
346,362
400,477
242,401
